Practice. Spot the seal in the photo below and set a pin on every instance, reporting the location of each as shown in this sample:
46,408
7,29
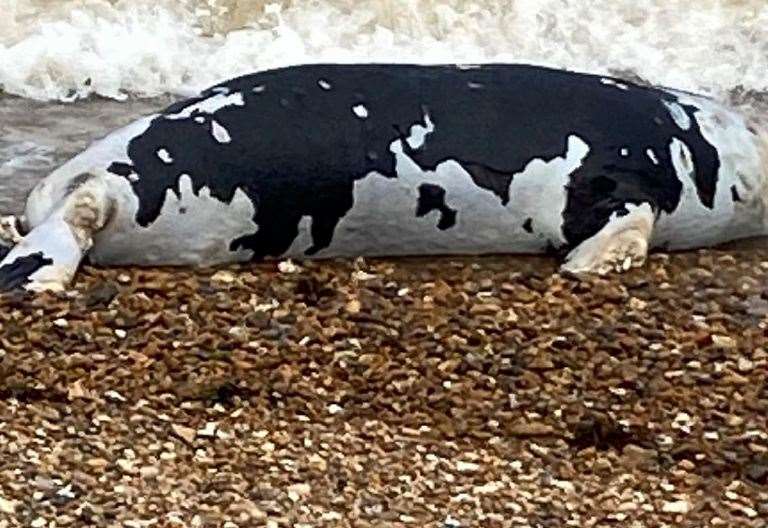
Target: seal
332,160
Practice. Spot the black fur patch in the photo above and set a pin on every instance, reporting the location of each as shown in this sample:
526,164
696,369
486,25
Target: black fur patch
297,148
17,273
431,198
528,225
77,181
735,194
121,169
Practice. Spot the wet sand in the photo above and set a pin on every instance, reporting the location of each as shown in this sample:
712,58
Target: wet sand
443,392
37,137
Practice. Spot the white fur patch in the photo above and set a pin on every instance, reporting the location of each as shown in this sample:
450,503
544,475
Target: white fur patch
220,133
419,133
679,115
209,105
692,224
614,83
652,156
383,219
165,156
325,85
360,111
193,229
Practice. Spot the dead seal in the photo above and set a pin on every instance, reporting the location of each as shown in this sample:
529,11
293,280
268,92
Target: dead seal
331,160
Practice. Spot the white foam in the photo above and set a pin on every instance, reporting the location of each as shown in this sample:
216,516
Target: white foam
65,49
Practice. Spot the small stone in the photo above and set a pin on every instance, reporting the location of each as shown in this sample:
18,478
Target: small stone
758,473
38,522
297,491
185,433
745,365
637,304
531,429
466,467
318,462
125,464
287,266
238,332
354,307
725,342
149,472
209,430
120,333
680,506
7,506
114,395
223,277
98,463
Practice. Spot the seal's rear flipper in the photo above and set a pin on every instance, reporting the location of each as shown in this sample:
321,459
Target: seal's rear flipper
620,245
48,257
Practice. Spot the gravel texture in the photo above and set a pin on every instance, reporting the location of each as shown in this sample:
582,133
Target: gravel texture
426,392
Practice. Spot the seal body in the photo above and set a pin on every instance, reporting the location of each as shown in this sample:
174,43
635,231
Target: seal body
375,159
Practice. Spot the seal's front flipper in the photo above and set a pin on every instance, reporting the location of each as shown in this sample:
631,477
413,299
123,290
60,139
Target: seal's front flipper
48,257
620,245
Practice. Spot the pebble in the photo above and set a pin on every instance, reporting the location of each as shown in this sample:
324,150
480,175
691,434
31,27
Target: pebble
680,506
297,491
287,266
466,467
209,430
7,506
185,433
494,386
722,341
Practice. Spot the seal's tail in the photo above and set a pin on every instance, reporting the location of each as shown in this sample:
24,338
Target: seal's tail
48,256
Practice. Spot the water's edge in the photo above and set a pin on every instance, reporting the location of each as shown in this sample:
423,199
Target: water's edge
36,137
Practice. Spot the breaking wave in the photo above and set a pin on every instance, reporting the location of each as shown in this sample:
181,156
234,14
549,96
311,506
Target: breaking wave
70,49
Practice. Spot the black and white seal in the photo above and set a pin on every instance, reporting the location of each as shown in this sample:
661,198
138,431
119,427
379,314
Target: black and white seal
383,160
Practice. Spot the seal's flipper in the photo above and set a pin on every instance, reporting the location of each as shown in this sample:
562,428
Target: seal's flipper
620,245
48,257
10,230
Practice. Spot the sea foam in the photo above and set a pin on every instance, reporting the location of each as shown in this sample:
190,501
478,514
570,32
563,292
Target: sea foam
69,49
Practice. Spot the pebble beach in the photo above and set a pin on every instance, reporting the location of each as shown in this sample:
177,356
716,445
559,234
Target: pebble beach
437,392
446,393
